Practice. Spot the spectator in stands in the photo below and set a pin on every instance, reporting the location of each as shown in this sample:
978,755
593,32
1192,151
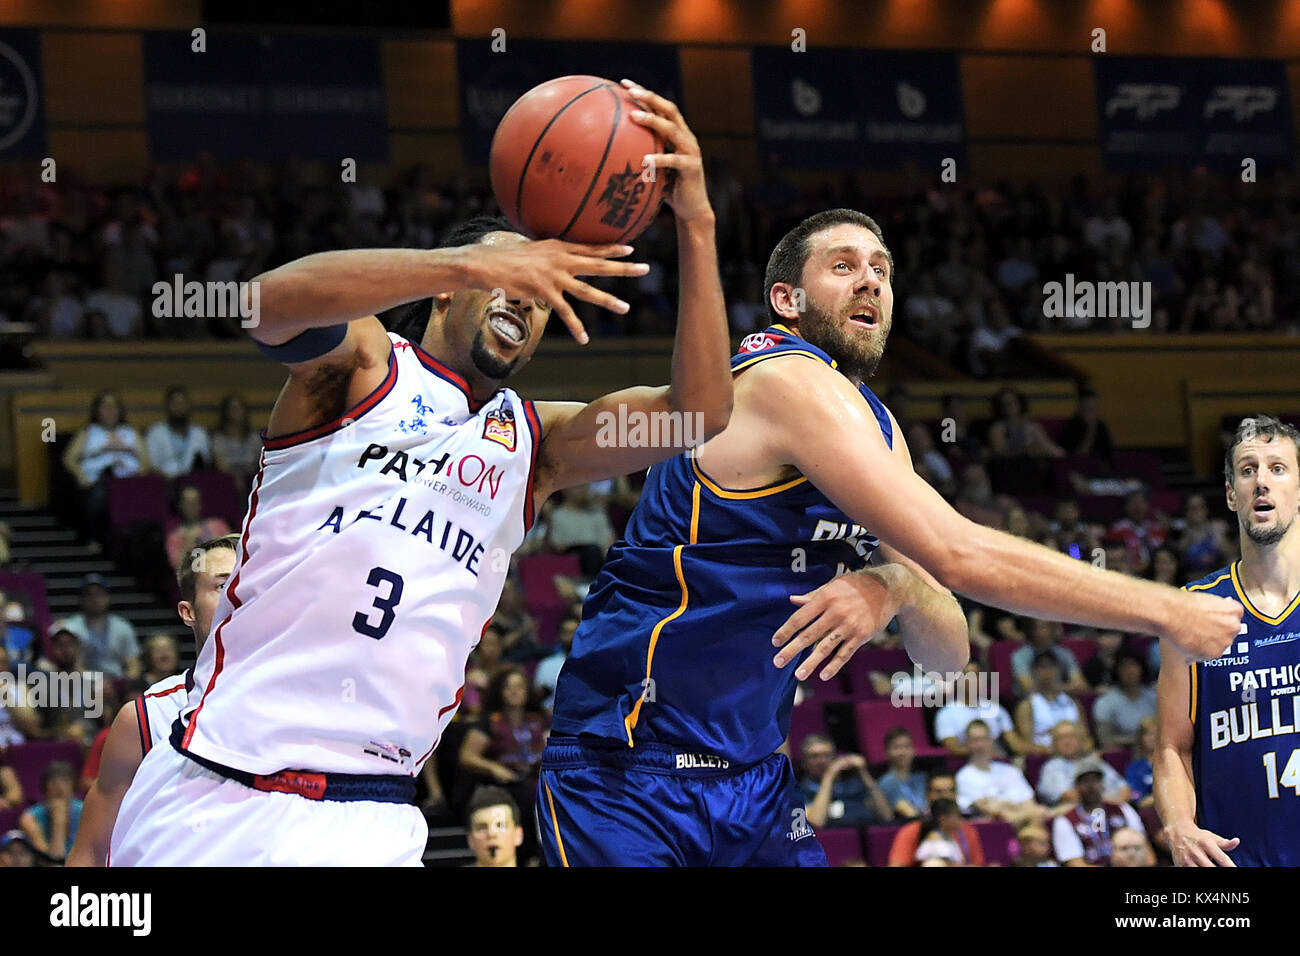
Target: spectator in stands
17,721
16,850
162,658
1013,433
954,717
994,788
11,788
1082,837
903,787
929,462
189,527
747,310
1139,531
1166,568
1107,228
1138,774
1046,707
838,790
1085,433
70,714
58,312
579,526
177,445
51,825
931,317
943,838
16,639
1203,543
495,834
108,641
989,340
106,446
1072,534
955,435
944,816
1070,748
1044,638
547,674
1118,713
120,309
484,664
976,500
1099,670
517,628
130,690
1130,848
1035,846
236,445
506,746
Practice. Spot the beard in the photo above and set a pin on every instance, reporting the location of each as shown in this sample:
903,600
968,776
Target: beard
855,356
491,366
1266,536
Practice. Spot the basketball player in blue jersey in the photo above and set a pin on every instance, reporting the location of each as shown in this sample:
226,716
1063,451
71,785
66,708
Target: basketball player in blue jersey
1227,766
670,708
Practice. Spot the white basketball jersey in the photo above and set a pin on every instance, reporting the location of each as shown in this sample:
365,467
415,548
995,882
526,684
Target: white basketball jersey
372,557
159,706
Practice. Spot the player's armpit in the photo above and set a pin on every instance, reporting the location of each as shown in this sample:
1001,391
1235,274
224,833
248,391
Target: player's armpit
617,434
325,388
117,766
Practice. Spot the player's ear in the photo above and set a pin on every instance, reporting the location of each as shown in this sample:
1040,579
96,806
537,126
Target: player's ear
1231,495
186,610
519,836
786,300
441,305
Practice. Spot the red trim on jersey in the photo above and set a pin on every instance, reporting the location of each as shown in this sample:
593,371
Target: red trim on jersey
352,414
535,427
455,703
169,691
142,725
448,375
231,591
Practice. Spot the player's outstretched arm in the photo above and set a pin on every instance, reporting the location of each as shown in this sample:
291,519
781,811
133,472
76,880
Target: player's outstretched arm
845,613
816,421
583,443
1175,792
118,764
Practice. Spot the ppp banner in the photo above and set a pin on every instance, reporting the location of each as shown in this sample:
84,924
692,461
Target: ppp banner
1159,110
22,98
265,97
835,108
494,72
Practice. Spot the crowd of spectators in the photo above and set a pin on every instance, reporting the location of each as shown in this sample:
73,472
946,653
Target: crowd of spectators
974,261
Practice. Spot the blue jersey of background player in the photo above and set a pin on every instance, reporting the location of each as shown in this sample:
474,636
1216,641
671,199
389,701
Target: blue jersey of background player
1227,773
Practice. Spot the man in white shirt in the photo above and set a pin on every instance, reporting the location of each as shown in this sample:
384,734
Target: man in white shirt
176,445
1055,781
994,788
1083,835
953,718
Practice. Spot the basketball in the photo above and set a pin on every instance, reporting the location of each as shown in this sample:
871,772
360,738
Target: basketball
567,163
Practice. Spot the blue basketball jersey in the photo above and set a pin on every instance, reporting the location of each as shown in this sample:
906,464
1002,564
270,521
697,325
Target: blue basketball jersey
675,643
1245,712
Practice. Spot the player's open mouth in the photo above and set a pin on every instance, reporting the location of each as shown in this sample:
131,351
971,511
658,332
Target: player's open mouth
508,327
867,316
1263,508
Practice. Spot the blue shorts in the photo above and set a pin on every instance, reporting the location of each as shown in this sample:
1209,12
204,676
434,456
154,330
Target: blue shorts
606,804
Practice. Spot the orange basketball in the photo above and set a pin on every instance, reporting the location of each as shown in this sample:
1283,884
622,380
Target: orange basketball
567,163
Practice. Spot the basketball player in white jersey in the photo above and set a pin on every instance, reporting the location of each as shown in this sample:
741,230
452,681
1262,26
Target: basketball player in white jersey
148,719
398,476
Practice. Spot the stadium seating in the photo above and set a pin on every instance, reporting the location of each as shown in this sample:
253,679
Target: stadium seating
537,578
875,718
841,845
878,841
30,759
31,586
996,838
808,718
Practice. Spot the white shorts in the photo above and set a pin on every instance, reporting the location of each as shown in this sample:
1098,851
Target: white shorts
177,813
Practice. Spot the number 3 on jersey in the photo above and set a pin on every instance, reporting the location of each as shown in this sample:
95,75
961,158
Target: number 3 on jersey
386,604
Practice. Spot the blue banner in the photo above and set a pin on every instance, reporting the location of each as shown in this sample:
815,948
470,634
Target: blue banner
1159,110
22,98
845,107
490,81
265,97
